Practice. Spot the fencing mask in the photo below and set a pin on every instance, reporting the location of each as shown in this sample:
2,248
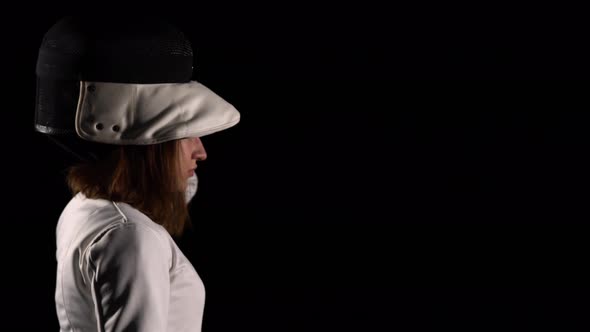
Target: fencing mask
125,81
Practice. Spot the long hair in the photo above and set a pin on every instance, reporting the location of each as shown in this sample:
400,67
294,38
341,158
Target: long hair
147,177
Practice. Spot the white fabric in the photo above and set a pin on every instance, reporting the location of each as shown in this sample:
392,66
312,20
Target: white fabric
140,114
192,187
117,270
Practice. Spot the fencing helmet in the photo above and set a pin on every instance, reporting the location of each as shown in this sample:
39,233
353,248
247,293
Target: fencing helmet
125,81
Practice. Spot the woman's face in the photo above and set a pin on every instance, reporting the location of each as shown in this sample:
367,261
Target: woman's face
191,150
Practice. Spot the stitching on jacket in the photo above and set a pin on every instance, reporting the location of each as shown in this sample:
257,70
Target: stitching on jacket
96,294
97,300
120,212
96,238
61,271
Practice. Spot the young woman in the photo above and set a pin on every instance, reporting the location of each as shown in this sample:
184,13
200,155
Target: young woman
118,96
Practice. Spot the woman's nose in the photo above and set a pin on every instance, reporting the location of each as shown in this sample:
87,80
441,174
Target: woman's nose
200,152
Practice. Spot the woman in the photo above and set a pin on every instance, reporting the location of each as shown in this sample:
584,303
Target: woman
119,98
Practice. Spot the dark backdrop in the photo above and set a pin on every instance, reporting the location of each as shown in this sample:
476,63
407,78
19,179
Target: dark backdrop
395,169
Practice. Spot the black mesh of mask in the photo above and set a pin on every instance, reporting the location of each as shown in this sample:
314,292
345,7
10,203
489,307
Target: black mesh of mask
126,49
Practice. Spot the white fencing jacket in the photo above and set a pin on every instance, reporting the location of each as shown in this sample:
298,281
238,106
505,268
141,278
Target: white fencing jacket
117,270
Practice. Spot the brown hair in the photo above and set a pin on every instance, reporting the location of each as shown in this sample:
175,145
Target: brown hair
146,177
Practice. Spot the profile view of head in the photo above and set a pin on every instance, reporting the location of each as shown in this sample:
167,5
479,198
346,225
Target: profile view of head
120,100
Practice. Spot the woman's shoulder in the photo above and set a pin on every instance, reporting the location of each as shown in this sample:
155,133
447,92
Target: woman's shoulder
84,219
97,209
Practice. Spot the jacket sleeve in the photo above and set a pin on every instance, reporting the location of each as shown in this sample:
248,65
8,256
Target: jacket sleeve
130,285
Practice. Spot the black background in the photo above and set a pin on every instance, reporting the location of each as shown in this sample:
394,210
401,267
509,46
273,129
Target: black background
401,168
